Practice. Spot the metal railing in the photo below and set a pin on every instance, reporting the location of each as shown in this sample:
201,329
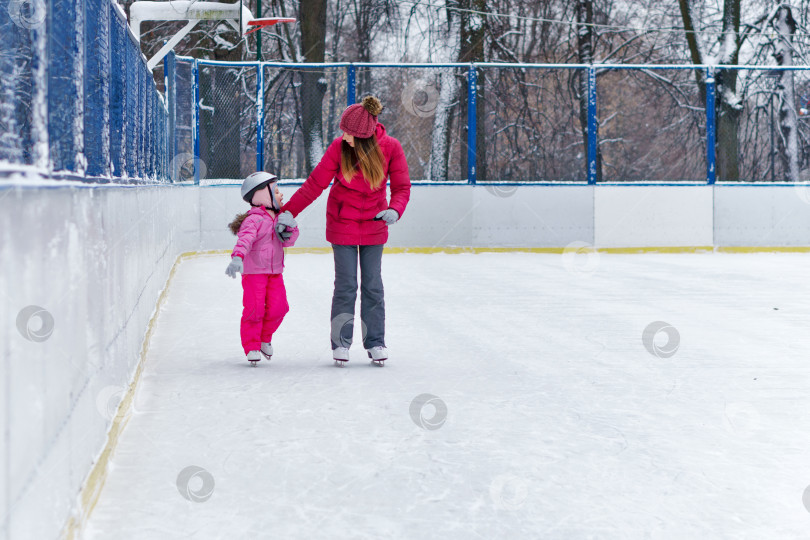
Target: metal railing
76,98
641,123
81,104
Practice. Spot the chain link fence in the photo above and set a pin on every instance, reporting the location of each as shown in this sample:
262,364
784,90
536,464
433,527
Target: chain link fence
530,125
530,121
424,104
763,133
284,143
84,103
76,97
652,126
228,120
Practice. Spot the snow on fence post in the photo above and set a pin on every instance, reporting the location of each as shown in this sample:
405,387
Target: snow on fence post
592,142
131,97
170,70
259,117
472,80
155,133
711,170
66,28
142,118
11,138
351,89
148,127
97,88
118,138
195,118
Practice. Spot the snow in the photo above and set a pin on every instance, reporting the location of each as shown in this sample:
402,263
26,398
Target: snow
448,86
39,103
728,47
316,150
783,52
222,42
559,423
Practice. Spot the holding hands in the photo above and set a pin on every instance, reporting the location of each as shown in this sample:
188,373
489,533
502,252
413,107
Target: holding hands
285,221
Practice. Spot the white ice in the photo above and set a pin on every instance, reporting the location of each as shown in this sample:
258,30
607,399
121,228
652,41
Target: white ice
559,424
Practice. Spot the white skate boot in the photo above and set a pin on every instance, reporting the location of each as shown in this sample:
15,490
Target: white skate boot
378,355
341,356
267,350
254,357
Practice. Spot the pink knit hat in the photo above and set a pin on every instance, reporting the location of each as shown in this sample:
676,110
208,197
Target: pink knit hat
360,119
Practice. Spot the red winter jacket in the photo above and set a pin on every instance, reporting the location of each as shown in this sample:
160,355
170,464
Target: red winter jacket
351,206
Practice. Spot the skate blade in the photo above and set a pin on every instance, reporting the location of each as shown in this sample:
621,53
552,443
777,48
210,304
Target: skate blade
340,363
254,363
379,362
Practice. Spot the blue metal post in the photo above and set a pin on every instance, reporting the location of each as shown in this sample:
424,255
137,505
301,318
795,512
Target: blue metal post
16,140
117,91
141,110
195,120
170,65
711,128
154,107
130,110
351,89
148,128
259,118
64,82
472,80
97,88
592,126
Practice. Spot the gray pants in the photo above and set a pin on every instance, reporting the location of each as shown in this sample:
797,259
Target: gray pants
372,302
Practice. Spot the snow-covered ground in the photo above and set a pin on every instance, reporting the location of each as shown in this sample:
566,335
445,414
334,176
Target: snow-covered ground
550,418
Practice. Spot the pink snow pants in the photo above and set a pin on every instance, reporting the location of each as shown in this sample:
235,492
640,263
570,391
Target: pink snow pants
265,304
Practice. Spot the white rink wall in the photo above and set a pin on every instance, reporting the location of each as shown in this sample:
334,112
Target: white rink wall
762,216
438,216
95,259
605,216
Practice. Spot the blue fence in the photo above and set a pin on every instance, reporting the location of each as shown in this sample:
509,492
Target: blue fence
517,123
76,98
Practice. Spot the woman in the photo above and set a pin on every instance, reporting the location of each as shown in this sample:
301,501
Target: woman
357,220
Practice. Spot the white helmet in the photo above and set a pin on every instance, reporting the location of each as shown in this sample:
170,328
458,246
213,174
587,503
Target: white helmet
255,182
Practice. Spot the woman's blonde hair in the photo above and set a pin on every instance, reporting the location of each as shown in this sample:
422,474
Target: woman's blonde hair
366,154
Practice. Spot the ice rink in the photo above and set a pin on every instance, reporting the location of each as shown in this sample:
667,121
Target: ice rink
553,414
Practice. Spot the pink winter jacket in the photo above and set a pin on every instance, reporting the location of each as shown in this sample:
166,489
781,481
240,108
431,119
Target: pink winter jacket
258,244
351,206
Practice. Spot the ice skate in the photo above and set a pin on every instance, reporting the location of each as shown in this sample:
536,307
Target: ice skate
254,357
378,355
341,356
267,350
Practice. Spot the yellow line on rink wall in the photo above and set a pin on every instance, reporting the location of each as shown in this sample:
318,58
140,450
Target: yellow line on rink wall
775,249
617,250
94,484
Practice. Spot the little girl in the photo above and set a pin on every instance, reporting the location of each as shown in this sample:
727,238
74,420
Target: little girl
259,256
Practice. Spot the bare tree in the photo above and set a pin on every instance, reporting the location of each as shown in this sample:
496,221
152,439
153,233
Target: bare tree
785,27
449,95
370,18
313,82
729,104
